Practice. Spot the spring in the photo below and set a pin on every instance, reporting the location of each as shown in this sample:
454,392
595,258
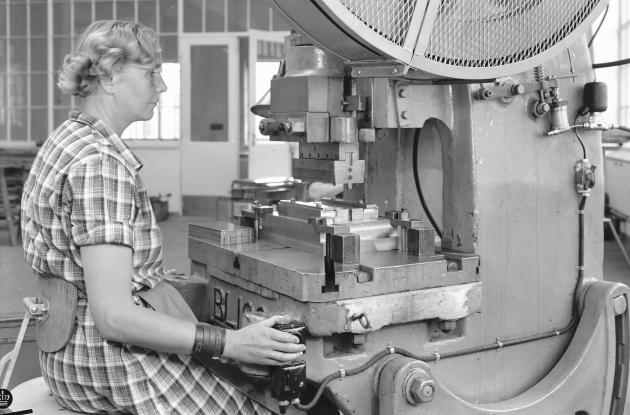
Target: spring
539,73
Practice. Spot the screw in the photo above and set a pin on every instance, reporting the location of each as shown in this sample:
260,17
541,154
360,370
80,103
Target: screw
422,390
403,93
518,89
404,115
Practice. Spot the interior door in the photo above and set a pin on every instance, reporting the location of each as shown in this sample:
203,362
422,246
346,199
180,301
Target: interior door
209,113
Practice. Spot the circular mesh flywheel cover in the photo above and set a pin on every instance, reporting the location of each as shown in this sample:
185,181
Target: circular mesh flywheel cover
468,39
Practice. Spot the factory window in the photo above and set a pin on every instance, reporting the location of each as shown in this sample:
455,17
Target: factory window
35,35
230,16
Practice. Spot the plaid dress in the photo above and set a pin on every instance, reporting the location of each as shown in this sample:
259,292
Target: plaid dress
84,189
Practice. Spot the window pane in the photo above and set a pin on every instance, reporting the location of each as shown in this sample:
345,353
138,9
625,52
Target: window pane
103,10
17,91
169,48
169,123
17,13
168,16
38,19
3,123
169,102
38,54
209,95
192,16
124,10
237,15
259,16
39,90
18,124
39,125
61,47
146,13
60,115
3,17
61,18
18,55
82,16
215,16
3,91
3,55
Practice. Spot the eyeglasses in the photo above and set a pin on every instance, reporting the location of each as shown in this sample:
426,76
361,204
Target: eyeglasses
156,72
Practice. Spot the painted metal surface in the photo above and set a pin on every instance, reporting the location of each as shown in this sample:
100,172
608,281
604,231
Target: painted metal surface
505,268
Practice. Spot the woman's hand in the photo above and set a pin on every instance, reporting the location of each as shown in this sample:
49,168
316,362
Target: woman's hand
261,344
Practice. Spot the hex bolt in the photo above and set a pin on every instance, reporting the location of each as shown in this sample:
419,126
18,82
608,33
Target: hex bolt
421,391
452,266
517,89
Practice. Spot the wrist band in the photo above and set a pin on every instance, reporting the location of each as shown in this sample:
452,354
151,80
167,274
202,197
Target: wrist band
209,340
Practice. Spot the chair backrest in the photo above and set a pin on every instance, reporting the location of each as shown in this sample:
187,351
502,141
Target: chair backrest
7,363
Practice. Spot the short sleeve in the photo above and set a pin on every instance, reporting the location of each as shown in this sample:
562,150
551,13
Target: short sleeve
100,194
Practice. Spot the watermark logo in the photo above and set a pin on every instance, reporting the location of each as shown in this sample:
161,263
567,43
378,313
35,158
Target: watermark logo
6,398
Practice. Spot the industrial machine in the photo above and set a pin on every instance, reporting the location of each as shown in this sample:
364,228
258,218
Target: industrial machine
461,272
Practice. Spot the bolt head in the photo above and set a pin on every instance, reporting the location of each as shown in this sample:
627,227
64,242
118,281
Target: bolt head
422,391
405,115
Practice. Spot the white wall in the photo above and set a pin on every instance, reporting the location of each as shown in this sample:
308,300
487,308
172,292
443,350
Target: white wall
162,167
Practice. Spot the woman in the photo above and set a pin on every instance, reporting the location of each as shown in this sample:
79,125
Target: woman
87,220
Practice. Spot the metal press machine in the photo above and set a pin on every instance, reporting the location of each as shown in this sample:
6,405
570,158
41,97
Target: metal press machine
461,272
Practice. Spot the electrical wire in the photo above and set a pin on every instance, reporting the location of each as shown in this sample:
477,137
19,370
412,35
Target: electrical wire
601,22
416,179
612,63
499,344
579,138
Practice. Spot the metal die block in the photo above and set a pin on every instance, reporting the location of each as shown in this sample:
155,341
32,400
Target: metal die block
300,126
221,232
332,151
346,248
344,129
305,210
329,171
299,94
367,135
445,303
420,241
291,232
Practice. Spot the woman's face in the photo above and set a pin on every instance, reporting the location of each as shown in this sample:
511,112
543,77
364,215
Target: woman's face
138,89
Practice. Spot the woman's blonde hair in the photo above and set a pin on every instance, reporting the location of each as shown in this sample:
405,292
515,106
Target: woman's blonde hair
104,46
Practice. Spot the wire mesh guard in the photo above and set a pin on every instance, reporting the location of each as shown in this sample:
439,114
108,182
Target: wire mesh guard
474,34
389,19
499,32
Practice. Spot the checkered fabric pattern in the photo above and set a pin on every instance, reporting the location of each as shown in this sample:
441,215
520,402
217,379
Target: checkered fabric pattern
84,189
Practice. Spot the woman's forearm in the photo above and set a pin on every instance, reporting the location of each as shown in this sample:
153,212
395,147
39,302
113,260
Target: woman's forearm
107,273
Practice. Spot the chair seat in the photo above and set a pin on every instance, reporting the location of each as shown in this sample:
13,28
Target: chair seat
34,394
